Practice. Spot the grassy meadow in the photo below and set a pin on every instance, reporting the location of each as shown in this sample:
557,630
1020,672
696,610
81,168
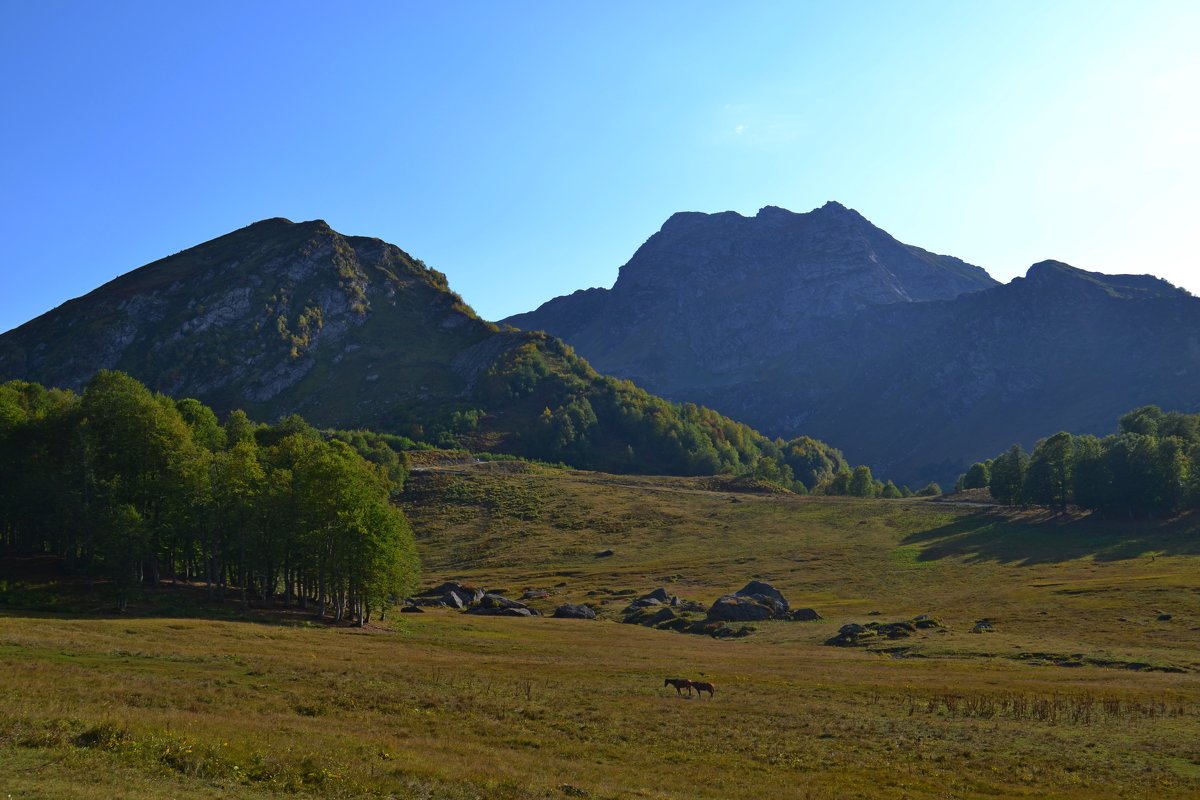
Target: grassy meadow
1081,691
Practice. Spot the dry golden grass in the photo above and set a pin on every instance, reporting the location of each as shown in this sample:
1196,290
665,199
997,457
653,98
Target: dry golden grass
446,705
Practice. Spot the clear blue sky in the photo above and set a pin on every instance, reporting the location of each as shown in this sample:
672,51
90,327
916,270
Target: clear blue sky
527,148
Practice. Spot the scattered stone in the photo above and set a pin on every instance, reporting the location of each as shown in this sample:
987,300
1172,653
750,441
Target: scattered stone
535,594
569,611
983,626
805,615
603,553
496,605
874,613
853,634
1163,617
412,610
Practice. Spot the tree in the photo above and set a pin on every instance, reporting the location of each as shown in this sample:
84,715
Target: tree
1008,475
861,482
978,476
1048,477
1091,481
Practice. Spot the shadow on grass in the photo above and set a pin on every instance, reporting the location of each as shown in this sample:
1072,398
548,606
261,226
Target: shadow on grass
1042,538
43,586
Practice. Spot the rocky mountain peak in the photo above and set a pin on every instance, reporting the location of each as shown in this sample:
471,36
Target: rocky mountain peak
1056,277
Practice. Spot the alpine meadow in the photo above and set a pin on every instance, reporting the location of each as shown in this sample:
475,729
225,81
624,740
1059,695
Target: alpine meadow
672,474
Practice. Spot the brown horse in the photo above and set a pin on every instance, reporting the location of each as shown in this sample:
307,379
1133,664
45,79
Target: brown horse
703,686
680,684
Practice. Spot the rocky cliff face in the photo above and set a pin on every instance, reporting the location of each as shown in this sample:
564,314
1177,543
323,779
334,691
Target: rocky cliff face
277,317
914,363
710,294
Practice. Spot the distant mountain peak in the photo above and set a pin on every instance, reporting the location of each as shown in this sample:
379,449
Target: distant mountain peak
1051,274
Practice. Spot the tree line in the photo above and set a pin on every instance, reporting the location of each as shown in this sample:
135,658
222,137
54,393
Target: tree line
1150,467
140,488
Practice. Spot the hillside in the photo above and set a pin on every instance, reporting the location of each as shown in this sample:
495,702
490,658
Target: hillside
286,318
1080,688
709,296
915,364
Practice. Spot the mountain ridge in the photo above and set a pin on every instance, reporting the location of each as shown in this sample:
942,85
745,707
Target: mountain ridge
872,365
281,318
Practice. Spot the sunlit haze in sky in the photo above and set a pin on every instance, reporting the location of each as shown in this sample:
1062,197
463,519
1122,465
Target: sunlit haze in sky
527,149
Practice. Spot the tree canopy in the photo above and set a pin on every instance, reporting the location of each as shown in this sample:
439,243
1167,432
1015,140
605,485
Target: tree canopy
137,487
1149,467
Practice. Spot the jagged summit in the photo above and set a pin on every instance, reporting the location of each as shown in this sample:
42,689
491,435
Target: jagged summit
913,362
714,289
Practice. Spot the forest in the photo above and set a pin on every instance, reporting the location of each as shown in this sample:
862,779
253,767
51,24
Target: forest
1149,468
590,421
138,488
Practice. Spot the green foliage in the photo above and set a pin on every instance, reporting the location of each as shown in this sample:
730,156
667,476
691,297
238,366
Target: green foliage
1150,467
931,490
1008,475
861,482
131,485
978,476
563,411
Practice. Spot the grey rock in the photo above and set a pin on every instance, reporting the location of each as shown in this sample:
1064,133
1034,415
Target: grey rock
501,611
569,611
737,608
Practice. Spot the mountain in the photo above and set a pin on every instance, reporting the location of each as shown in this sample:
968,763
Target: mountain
913,363
711,295
352,332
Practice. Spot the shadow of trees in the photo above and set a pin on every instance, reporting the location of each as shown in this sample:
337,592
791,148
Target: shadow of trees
1043,538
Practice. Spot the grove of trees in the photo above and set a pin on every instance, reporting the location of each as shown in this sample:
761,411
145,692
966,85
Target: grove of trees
1150,467
141,488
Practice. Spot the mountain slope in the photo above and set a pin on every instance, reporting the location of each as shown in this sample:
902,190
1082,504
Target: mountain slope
915,364
260,318
710,294
280,318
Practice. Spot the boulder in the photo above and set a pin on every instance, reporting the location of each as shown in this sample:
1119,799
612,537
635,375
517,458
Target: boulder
983,626
804,615
761,591
738,608
659,617
535,594
469,594
412,610
639,604
659,594
603,553
850,634
501,611
1163,618
454,600
499,601
569,611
